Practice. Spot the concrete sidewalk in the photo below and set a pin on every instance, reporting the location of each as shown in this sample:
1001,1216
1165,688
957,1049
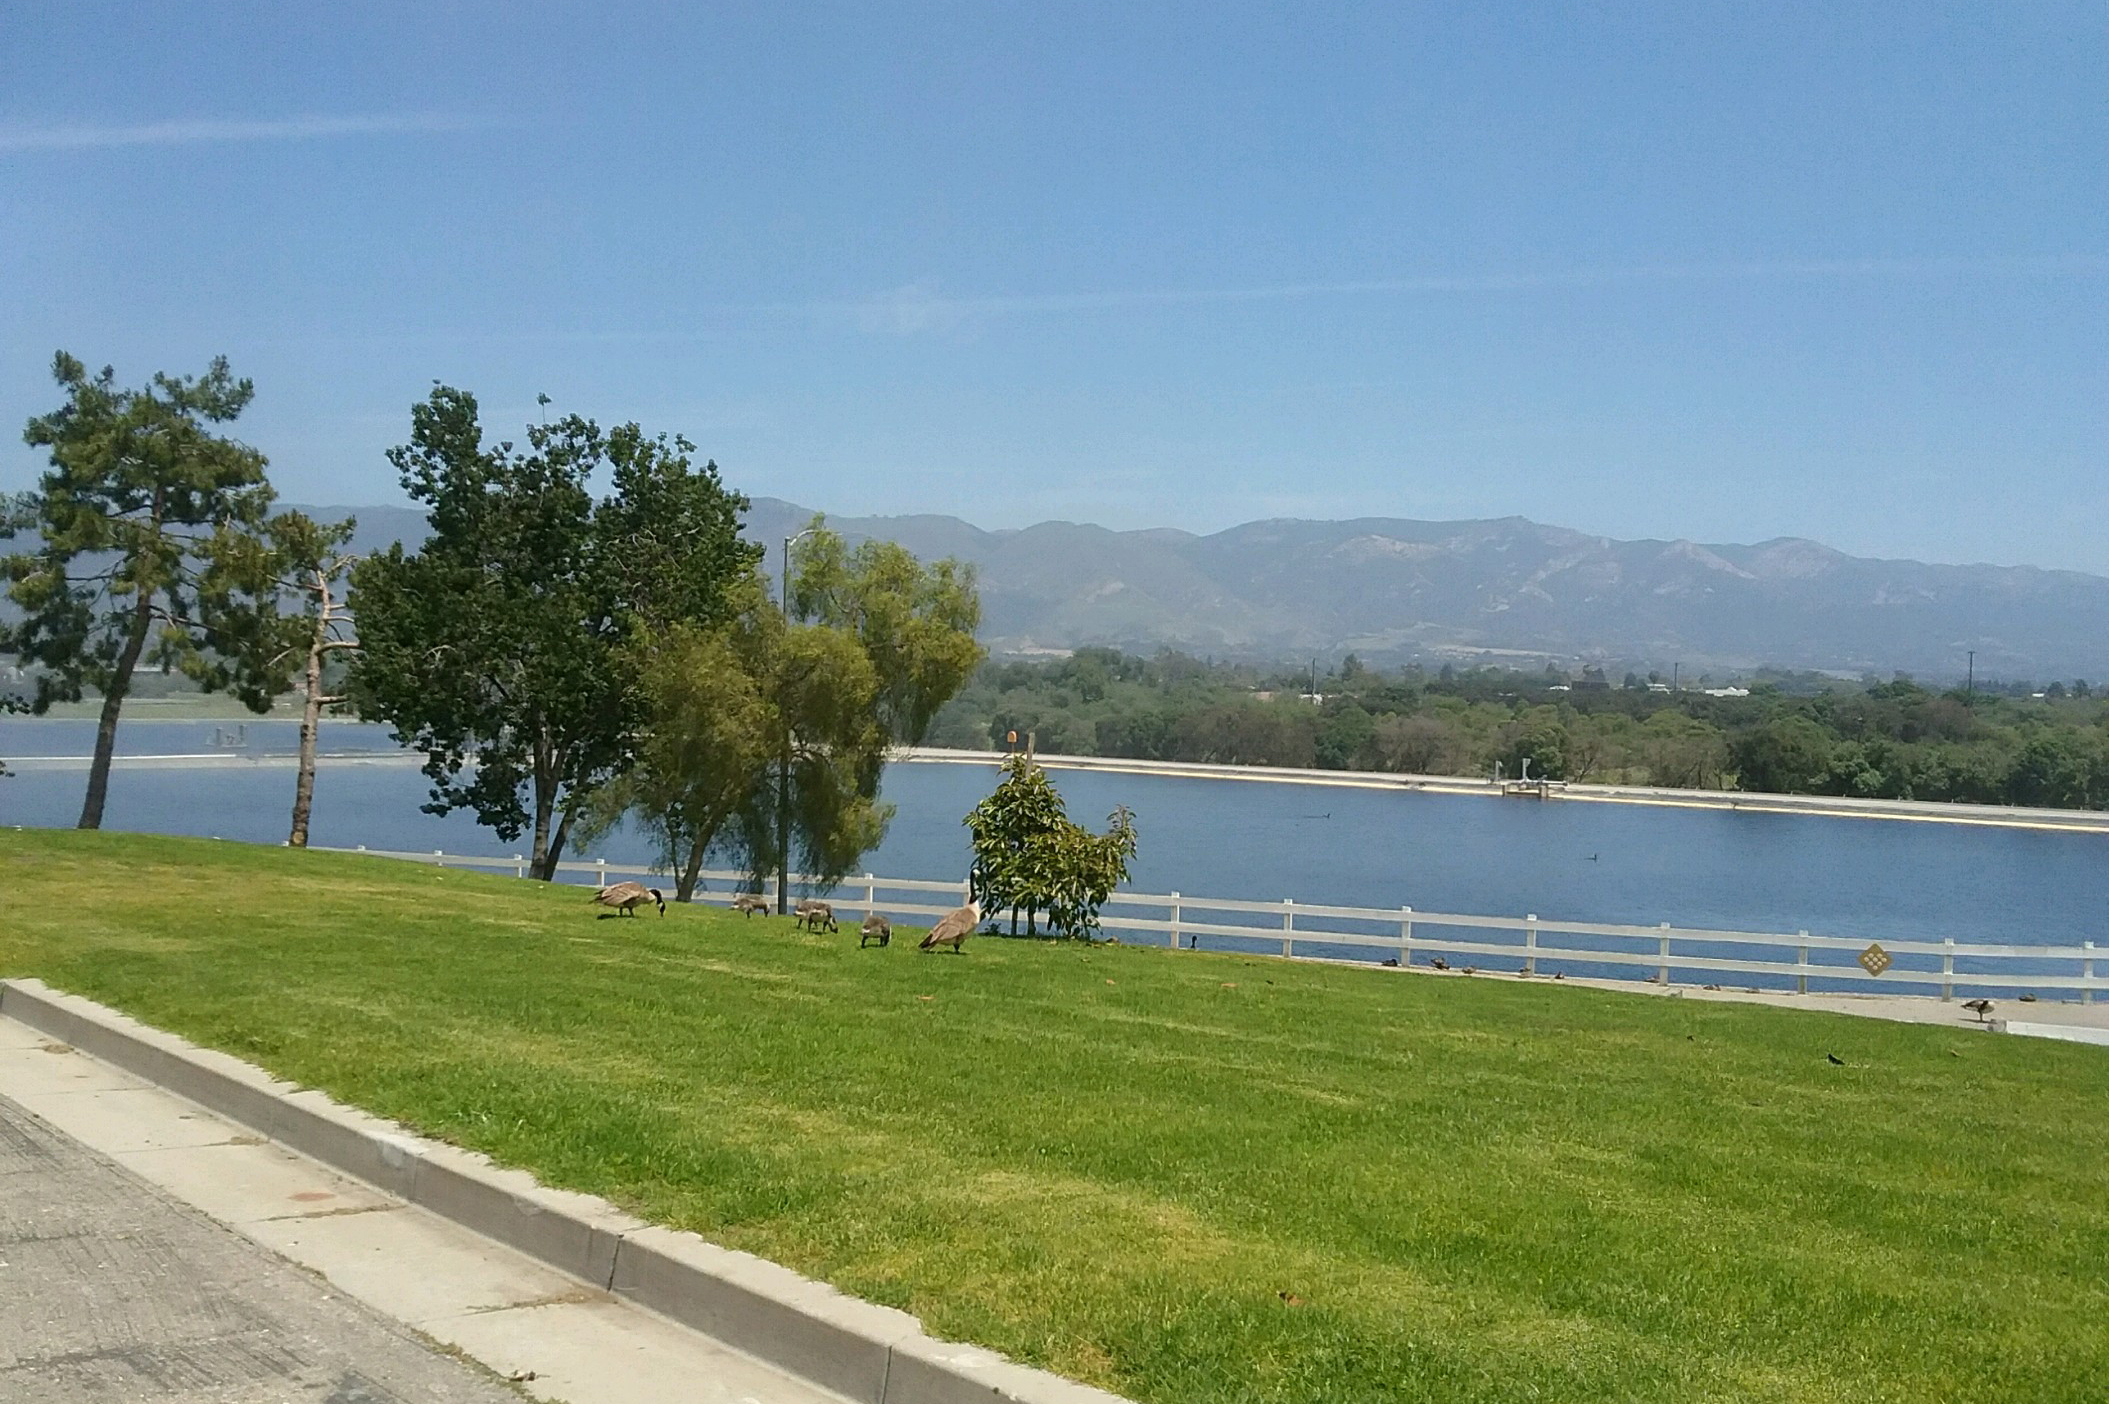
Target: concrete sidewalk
117,1283
110,1289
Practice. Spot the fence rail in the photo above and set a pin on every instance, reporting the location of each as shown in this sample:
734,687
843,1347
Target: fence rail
1526,945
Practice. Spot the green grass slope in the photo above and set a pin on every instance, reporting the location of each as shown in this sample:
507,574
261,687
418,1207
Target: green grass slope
1186,1177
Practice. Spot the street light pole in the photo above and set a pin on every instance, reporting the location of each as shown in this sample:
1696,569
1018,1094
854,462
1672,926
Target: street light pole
783,765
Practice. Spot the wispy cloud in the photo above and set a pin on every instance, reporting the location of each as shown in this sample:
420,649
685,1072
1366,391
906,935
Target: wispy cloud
920,306
191,133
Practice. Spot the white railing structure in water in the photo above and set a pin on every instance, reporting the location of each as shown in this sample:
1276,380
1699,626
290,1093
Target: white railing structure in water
1527,945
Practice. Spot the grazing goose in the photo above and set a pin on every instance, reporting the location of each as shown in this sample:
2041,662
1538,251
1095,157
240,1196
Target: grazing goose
1982,1008
627,897
955,926
750,903
875,926
813,915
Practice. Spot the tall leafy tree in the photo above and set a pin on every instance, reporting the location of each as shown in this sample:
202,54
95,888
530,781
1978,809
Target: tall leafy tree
143,501
818,811
494,648
914,624
707,741
764,737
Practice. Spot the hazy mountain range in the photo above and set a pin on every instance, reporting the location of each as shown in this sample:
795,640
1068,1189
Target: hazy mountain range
1508,589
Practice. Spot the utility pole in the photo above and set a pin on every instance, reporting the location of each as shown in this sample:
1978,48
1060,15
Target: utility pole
1970,681
1674,668
783,765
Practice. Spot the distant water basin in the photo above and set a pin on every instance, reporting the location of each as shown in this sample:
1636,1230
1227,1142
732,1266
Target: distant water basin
1356,847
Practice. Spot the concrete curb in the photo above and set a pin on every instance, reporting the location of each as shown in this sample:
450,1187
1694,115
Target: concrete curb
860,1350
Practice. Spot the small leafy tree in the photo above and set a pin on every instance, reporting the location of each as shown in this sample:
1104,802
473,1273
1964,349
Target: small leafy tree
1078,870
1033,858
150,526
1012,831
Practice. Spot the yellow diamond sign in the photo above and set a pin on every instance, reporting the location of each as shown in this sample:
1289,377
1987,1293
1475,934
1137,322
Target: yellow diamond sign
1874,960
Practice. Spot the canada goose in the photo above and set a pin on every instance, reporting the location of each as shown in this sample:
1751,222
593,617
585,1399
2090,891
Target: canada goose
875,925
955,926
627,897
750,903
1982,1008
813,915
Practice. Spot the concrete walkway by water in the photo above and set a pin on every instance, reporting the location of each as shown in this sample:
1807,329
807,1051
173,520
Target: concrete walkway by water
151,1251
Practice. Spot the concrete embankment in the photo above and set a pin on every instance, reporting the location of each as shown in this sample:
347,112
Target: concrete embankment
1829,806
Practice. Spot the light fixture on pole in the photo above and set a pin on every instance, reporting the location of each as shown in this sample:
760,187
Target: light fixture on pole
783,765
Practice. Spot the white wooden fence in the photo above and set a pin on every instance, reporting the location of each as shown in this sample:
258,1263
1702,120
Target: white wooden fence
1527,945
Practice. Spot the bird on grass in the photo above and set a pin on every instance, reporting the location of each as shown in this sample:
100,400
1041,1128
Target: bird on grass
955,926
1835,1060
1982,1008
875,927
750,903
814,914
1438,963
627,897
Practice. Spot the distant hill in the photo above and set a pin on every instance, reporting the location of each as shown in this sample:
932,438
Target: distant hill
1392,589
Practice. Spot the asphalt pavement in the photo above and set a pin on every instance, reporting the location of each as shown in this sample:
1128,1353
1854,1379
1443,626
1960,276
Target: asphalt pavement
112,1291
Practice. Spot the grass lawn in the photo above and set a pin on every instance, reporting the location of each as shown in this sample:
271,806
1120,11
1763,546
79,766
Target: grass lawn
1186,1177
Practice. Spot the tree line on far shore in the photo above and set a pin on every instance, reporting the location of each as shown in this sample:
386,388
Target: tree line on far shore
2007,744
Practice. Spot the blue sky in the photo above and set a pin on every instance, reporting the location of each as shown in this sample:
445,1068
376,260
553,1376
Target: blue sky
1683,270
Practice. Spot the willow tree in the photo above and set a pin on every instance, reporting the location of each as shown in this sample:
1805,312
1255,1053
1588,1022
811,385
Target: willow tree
144,500
753,740
765,737
915,621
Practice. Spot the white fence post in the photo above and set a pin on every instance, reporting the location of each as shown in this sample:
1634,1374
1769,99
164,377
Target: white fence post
1947,968
1801,960
2087,972
871,894
519,866
1288,925
1663,955
601,876
1530,944
439,859
1405,937
1175,921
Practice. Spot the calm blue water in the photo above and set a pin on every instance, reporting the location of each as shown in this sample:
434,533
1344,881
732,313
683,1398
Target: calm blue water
1579,862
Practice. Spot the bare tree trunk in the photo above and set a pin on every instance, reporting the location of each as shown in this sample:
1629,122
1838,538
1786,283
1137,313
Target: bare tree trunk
310,719
113,702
